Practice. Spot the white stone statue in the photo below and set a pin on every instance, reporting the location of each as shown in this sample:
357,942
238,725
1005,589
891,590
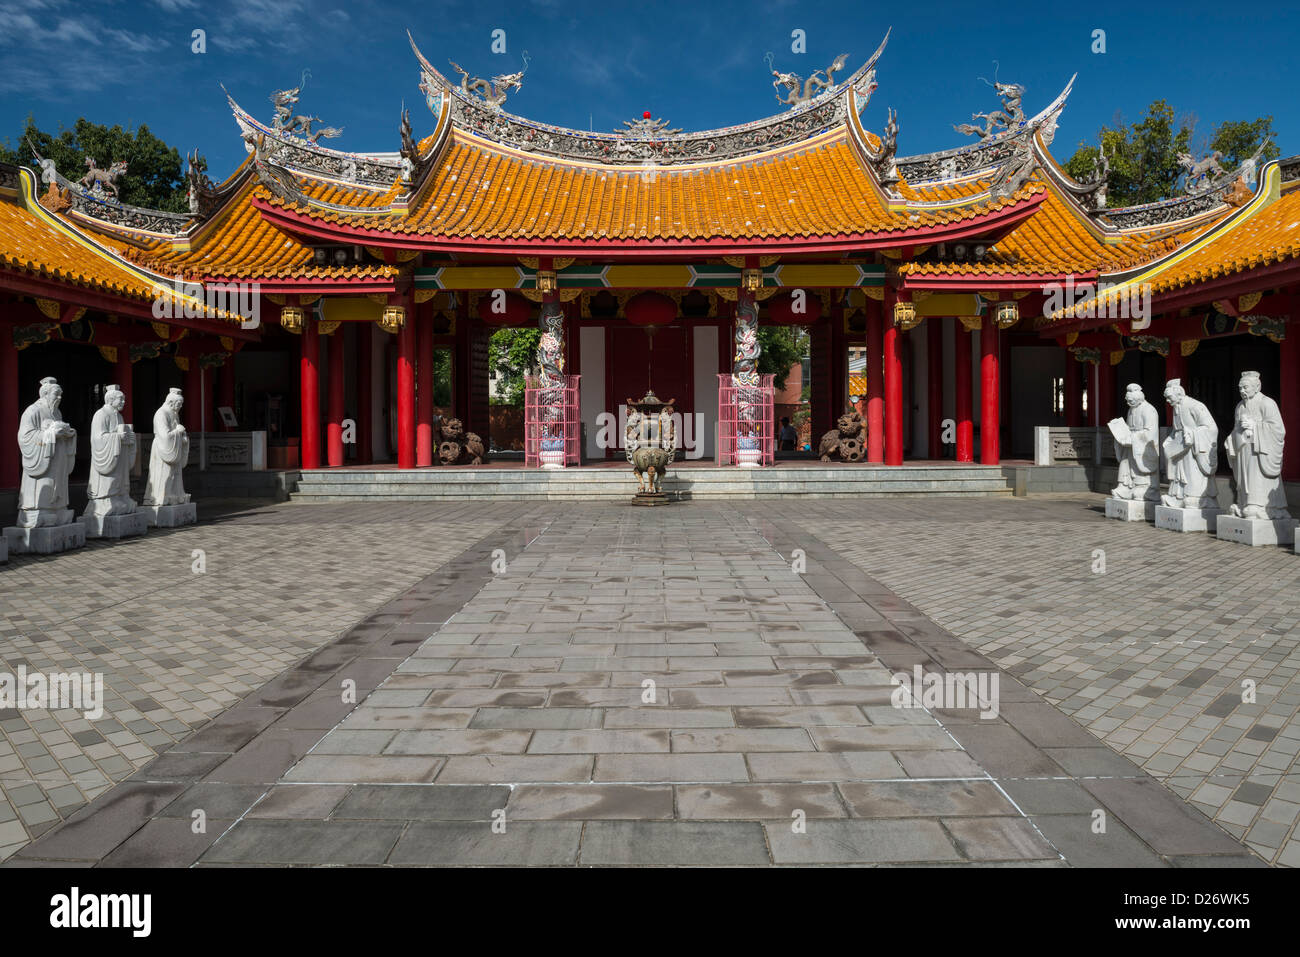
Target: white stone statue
1192,450
49,449
168,455
1255,453
1136,438
112,452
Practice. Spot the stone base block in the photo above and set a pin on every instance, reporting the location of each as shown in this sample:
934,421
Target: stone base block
1126,510
650,498
45,539
115,526
1187,519
1256,531
170,516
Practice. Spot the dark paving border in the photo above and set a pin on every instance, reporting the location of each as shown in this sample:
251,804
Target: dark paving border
227,766
1055,770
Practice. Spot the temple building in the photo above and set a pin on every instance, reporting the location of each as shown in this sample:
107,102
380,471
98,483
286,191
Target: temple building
315,289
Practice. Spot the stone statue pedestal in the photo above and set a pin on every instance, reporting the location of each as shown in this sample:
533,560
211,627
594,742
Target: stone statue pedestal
1127,510
650,498
1256,531
170,516
1187,519
115,526
45,539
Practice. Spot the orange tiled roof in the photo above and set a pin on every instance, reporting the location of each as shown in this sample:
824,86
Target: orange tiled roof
1055,240
240,244
29,244
1271,235
482,191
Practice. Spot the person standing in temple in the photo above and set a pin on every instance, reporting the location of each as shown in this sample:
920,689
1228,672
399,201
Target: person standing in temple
787,436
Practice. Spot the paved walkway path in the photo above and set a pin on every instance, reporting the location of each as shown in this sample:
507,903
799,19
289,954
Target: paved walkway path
1150,656
607,685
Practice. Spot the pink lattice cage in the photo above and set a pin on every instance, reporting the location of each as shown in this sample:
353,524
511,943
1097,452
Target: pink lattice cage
745,421
552,429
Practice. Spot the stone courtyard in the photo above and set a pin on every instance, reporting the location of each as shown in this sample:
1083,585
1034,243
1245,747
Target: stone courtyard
556,684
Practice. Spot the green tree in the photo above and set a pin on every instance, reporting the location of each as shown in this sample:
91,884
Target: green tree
1143,156
154,177
782,347
512,355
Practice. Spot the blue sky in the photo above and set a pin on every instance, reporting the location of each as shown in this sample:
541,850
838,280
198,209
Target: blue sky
698,64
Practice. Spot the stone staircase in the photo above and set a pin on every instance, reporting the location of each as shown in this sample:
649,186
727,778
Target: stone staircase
618,484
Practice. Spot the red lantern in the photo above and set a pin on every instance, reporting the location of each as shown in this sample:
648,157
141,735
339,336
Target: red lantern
650,309
518,311
781,308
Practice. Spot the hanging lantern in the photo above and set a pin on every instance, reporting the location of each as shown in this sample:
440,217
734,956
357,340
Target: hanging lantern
650,309
784,309
292,318
1007,315
393,318
905,317
513,310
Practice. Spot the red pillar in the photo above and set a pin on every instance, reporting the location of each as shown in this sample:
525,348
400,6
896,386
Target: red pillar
309,387
334,426
990,380
875,382
122,373
424,394
1175,368
226,390
893,387
10,460
934,384
406,392
1073,390
1289,399
1105,389
193,395
962,393
365,385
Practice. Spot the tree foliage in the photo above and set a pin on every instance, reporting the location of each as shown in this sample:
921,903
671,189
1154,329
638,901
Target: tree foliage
512,355
154,177
782,347
1143,156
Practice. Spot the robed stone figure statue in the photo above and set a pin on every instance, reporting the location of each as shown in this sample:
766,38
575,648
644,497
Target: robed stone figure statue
168,454
112,453
1192,449
1136,436
49,449
1255,452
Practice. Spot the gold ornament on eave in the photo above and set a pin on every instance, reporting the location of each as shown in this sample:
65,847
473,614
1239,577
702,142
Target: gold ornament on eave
292,318
393,318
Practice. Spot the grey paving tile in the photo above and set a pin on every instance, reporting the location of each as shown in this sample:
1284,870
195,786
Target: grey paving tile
673,843
462,844
305,842
852,842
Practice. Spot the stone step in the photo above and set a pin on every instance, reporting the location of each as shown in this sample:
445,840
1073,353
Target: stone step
587,484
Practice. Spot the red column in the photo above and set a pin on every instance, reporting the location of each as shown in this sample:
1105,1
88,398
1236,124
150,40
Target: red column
365,385
406,392
10,460
990,380
1289,399
122,373
1090,391
1105,389
934,384
226,390
1176,368
893,386
962,393
1073,390
334,426
193,395
424,394
309,387
875,382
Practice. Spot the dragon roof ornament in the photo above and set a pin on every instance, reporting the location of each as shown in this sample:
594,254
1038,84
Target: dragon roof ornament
816,84
825,110
89,199
1004,144
375,171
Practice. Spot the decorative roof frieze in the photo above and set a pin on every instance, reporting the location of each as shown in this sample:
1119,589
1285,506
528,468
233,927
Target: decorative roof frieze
95,197
658,147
